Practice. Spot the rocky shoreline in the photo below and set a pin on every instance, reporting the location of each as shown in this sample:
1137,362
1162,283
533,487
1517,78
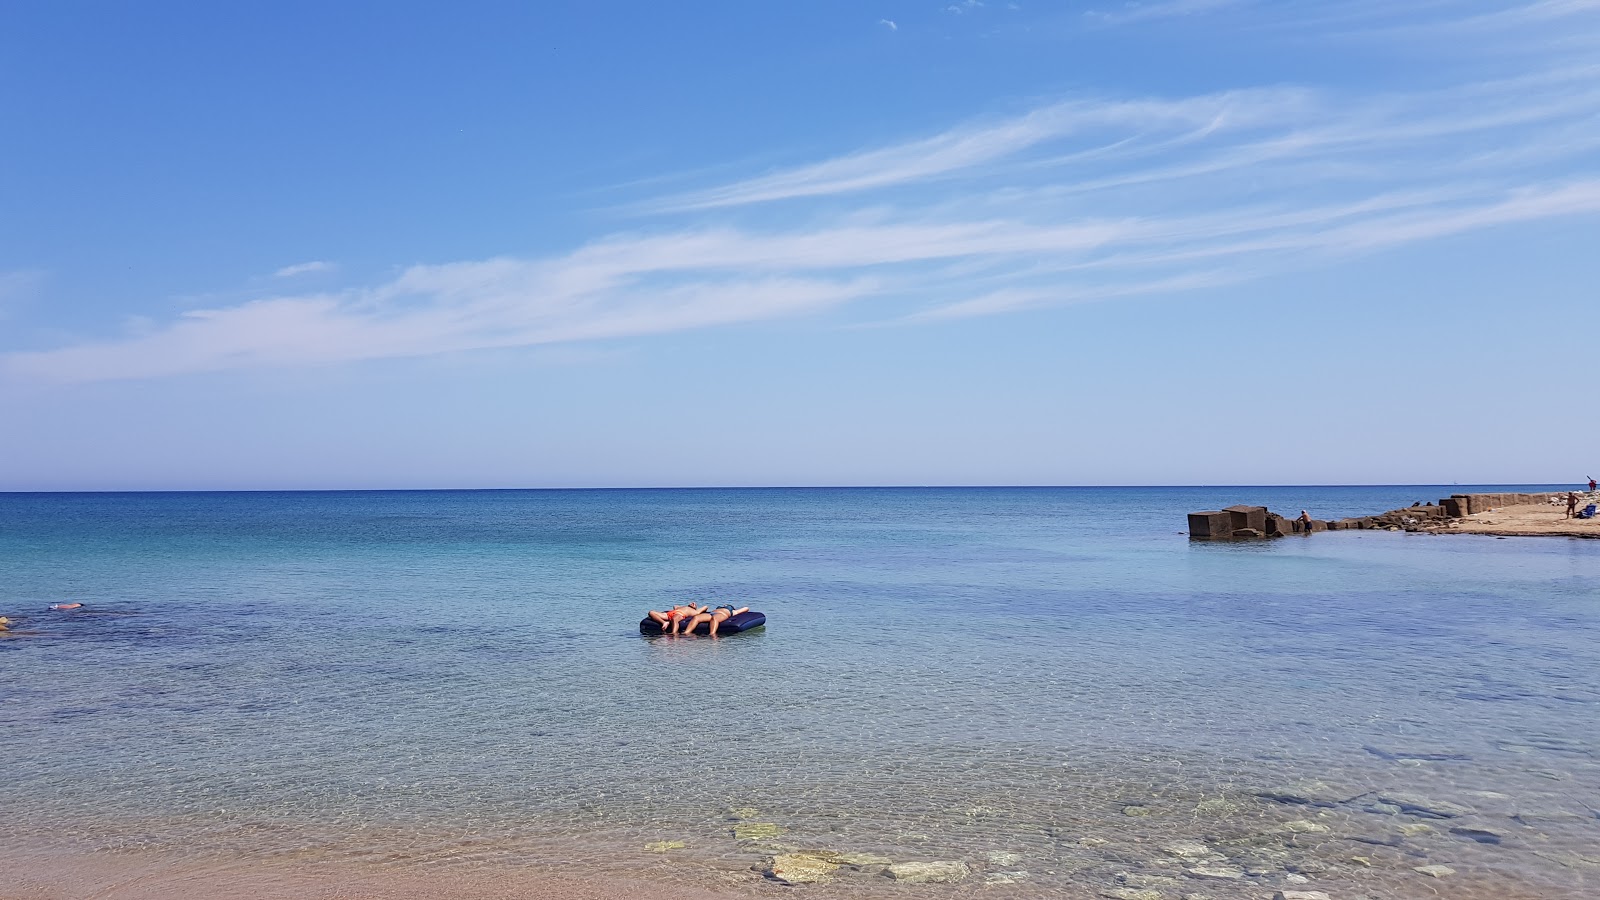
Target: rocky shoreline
1514,515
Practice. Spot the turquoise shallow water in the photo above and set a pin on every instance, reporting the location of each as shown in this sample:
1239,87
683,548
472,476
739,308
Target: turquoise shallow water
1053,682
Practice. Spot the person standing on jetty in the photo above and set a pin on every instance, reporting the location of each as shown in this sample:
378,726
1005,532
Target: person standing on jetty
1305,521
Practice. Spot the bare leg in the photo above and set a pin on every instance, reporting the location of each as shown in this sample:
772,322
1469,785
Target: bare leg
717,619
658,618
697,620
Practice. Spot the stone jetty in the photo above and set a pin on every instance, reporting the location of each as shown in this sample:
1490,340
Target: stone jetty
1244,522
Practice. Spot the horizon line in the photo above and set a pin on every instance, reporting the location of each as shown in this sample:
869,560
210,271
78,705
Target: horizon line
773,487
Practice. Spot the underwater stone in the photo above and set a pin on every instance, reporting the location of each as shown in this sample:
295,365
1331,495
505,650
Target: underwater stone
1134,879
1309,792
664,846
1188,850
1434,871
938,872
1002,858
756,831
1301,826
801,868
1218,808
1216,870
1416,805
1125,893
861,860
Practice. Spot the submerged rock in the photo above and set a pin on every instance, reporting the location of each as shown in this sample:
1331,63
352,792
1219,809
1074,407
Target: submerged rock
1137,812
756,831
1308,792
1002,858
1434,871
861,860
1481,835
1216,808
938,872
1127,893
664,846
1216,870
1137,880
801,868
1413,804
1005,877
1301,895
1302,826
1188,850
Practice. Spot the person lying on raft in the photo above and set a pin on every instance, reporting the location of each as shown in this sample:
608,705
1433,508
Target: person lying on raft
672,618
716,617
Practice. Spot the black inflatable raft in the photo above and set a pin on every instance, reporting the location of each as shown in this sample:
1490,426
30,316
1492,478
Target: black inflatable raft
733,625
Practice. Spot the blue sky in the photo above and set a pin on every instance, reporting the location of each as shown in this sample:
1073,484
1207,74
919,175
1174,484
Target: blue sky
613,244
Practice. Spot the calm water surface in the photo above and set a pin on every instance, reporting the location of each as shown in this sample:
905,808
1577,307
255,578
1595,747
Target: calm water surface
1049,685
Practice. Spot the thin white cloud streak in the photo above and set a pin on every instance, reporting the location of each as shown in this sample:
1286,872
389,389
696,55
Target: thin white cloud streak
1011,301
305,268
971,146
1136,12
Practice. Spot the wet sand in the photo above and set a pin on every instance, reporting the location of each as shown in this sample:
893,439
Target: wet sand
72,874
1526,520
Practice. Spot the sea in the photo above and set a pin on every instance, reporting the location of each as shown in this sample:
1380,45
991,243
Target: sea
1052,691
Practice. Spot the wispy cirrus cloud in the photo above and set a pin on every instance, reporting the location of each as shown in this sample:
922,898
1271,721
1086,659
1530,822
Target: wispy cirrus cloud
1078,199
1143,12
305,268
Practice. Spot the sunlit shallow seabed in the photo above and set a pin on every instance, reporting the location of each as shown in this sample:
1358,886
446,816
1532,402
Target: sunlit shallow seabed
1053,687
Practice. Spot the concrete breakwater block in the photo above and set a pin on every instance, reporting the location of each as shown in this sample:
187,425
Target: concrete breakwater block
1210,524
1252,517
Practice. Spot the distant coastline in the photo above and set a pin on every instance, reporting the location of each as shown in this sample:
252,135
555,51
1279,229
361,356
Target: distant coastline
1542,514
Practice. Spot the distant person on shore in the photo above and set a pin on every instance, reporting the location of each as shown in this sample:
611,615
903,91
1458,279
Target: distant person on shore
1305,521
1572,503
716,617
1592,484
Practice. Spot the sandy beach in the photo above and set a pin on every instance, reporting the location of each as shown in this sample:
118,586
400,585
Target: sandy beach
1526,520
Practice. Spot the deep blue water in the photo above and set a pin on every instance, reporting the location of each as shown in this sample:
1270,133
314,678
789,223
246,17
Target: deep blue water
946,672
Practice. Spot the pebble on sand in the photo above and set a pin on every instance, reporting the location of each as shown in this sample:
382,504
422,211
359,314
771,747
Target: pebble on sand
1435,871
